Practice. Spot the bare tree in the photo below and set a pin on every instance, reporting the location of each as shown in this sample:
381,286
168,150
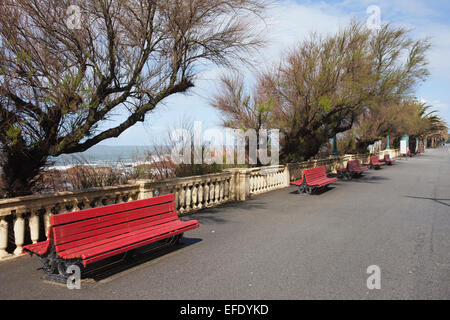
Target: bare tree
319,88
399,65
59,85
353,79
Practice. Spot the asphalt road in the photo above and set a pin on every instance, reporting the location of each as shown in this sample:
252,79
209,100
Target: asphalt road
283,245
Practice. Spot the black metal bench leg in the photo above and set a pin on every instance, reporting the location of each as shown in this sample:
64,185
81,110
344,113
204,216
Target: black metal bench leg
304,188
56,268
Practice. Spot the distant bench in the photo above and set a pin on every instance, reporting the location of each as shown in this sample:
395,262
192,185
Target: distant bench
313,179
374,162
83,237
387,159
351,170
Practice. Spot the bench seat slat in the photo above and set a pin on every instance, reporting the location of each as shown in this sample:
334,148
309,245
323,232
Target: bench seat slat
139,244
110,239
375,161
353,167
85,237
63,231
110,209
134,241
39,248
105,244
119,230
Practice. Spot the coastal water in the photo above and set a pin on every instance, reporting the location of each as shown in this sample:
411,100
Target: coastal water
101,155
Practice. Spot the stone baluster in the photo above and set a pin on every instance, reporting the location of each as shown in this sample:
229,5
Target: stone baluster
188,197
75,206
206,192
177,195
200,196
182,199
217,192
34,226
19,233
271,179
221,190
195,196
211,193
3,237
227,189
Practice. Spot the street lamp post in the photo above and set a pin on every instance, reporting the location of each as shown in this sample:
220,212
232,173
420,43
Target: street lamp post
335,151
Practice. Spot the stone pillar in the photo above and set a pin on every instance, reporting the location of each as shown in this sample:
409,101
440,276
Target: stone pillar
244,184
287,176
240,183
145,188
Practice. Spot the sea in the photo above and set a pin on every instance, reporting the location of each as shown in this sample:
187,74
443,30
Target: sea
104,156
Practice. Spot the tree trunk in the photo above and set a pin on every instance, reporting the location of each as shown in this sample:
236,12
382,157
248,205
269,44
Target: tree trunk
20,170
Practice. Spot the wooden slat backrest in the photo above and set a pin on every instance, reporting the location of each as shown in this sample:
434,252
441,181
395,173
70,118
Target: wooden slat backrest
353,165
314,174
76,228
374,159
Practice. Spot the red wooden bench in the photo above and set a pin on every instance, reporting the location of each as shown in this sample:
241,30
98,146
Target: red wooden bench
374,162
387,160
83,237
351,170
313,179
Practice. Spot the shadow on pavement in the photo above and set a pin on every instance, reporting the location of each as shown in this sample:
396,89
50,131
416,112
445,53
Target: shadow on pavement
215,215
317,192
101,270
369,179
440,201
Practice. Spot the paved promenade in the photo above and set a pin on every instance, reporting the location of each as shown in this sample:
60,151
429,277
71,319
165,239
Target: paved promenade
282,245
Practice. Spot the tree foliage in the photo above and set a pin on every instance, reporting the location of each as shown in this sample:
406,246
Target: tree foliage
59,86
355,79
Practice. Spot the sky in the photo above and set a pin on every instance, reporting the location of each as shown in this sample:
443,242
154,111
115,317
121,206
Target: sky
288,22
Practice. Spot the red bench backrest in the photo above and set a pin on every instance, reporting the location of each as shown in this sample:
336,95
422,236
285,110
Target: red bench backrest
374,159
353,165
73,229
315,174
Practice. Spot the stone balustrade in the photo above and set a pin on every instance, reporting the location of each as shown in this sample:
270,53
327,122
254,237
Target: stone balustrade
191,193
26,219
